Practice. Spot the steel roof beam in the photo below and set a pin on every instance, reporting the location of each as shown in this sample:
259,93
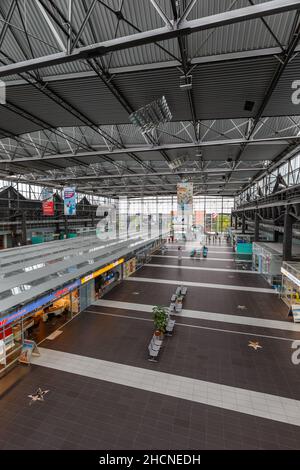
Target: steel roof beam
7,21
214,143
147,37
98,177
57,37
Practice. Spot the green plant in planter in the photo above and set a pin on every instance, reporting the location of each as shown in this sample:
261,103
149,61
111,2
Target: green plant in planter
160,318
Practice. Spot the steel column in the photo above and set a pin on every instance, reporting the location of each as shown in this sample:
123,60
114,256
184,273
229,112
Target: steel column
287,236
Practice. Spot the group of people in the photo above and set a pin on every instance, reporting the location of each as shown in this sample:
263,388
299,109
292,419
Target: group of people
193,252
214,237
204,252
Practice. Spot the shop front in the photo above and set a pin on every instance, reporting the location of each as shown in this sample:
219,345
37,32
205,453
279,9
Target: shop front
290,291
36,321
95,285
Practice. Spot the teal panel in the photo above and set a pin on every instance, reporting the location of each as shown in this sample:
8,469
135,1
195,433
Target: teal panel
37,239
244,248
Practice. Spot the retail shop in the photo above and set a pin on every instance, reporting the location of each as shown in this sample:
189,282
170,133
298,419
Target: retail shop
36,320
95,285
290,292
40,318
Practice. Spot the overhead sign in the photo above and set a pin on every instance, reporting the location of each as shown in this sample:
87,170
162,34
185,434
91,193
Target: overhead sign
69,201
38,303
101,271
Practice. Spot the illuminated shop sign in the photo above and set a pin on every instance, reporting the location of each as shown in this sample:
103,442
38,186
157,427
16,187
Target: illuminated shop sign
290,276
38,303
101,271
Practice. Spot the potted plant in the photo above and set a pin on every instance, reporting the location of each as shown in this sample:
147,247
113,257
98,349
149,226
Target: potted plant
160,319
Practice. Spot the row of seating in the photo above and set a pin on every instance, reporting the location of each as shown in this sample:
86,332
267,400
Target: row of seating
175,304
154,348
155,344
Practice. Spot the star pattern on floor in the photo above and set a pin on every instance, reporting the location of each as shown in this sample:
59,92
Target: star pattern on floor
254,344
38,395
242,307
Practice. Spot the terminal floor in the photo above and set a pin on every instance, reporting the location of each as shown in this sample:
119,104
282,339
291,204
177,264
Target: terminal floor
87,408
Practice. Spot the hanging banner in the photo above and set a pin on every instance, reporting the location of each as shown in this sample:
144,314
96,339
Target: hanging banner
48,202
185,196
69,201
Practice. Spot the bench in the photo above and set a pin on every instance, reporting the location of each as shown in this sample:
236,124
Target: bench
154,348
183,290
178,291
173,298
170,327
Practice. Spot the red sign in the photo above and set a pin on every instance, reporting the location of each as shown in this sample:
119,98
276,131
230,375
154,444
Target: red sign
48,207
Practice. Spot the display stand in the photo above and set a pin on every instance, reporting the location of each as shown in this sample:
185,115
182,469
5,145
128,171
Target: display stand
295,310
29,349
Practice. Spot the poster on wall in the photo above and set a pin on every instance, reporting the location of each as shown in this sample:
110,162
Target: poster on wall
185,196
130,267
48,202
69,201
29,348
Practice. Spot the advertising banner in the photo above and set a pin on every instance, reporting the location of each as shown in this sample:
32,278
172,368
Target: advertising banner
185,196
130,267
69,201
48,202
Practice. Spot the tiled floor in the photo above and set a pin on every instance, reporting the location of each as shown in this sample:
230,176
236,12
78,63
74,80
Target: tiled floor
209,390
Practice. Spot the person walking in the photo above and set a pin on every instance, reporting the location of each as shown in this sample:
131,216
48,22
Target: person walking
179,253
205,251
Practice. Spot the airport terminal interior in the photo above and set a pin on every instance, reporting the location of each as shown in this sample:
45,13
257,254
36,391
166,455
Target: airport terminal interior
149,225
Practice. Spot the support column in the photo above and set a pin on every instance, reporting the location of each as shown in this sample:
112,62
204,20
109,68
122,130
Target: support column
276,236
287,236
149,225
235,222
160,225
256,227
24,230
243,223
66,226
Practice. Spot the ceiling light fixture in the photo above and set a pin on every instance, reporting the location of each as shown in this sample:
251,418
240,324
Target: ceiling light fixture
152,115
